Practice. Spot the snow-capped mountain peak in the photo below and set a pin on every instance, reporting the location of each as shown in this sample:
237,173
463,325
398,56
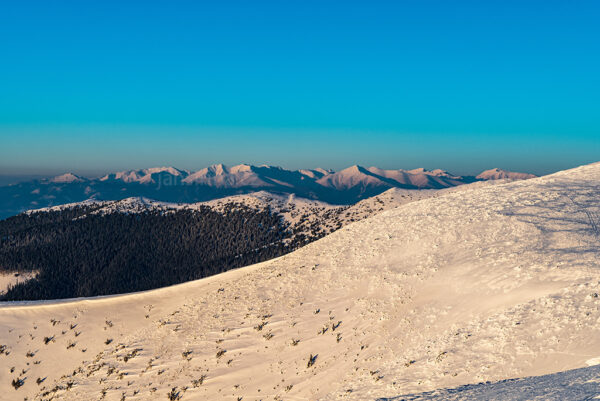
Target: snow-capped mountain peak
170,170
144,176
66,178
221,176
241,168
352,177
210,171
499,174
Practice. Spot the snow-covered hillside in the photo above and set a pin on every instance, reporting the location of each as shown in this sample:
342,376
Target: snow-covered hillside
572,385
487,283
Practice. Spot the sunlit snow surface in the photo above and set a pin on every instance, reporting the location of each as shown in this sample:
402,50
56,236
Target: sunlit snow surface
576,384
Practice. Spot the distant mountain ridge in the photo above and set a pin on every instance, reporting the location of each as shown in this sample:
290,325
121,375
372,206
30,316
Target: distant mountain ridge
170,184
497,174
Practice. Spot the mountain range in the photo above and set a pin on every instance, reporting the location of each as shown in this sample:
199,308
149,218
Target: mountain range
170,184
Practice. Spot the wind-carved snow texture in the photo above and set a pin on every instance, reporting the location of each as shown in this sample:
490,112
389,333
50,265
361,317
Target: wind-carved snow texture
576,384
484,284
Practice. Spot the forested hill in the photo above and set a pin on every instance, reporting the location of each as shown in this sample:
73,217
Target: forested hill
110,247
80,253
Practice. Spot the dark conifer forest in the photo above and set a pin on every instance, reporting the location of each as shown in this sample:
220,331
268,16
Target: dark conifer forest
80,254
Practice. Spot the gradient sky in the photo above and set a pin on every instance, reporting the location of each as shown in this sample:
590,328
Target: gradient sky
95,86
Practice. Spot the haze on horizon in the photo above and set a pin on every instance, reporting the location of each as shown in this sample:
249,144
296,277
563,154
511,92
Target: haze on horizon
467,86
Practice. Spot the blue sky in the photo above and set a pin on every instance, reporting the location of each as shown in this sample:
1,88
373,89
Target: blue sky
97,86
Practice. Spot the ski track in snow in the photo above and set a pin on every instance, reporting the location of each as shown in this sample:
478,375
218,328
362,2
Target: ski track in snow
483,284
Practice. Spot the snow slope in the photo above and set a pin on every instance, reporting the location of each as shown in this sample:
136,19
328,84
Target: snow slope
575,384
572,385
487,283
12,278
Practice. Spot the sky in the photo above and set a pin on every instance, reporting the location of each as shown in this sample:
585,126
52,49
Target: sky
99,86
